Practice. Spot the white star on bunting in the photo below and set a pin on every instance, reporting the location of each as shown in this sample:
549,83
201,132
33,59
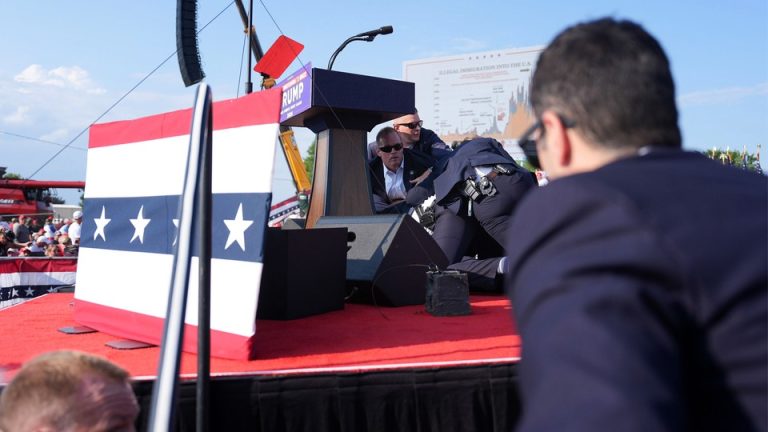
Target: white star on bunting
101,222
29,292
139,225
237,227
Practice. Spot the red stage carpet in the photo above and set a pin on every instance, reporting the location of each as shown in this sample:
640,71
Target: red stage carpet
358,338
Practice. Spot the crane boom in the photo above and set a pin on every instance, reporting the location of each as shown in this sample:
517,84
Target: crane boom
295,163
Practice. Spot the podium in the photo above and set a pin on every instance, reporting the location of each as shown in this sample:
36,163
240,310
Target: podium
341,108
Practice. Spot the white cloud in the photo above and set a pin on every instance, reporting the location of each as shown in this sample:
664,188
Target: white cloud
32,74
73,77
20,116
59,135
723,95
62,101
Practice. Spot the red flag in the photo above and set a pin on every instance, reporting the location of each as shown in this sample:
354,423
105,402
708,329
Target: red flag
278,57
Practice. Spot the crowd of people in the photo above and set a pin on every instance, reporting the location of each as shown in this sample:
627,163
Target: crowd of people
26,236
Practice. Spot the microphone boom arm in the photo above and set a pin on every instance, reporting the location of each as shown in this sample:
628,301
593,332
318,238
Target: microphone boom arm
344,45
367,37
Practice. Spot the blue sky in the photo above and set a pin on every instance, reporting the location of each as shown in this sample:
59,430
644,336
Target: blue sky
64,63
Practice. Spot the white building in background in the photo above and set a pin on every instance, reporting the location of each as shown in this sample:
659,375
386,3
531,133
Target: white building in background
64,211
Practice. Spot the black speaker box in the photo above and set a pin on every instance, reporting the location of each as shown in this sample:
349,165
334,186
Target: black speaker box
187,51
447,293
304,273
387,259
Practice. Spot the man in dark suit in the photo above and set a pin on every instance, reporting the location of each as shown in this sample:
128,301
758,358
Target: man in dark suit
638,276
476,188
393,172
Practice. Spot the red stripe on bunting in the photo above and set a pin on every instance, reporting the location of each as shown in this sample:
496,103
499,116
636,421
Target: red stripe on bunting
149,329
254,109
38,265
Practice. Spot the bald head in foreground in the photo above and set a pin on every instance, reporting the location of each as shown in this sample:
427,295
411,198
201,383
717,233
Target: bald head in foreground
68,391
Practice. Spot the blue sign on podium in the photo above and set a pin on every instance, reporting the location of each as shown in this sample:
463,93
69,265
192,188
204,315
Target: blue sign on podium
297,94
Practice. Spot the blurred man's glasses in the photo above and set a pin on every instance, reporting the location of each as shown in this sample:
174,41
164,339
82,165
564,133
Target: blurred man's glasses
527,142
388,149
412,125
528,145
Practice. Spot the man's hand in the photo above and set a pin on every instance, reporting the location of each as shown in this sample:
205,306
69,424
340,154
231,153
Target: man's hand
423,176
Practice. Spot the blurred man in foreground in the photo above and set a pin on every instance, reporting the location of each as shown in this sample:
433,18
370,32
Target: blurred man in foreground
638,276
68,391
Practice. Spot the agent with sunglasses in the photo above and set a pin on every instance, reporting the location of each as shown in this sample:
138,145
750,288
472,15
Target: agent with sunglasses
415,137
639,275
476,188
393,172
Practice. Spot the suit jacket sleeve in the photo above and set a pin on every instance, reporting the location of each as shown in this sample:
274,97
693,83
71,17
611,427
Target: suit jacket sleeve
417,194
596,300
430,139
417,164
376,178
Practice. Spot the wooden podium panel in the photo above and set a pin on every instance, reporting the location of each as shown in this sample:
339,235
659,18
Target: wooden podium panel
341,183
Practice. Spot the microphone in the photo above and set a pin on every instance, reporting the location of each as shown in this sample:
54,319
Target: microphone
380,31
365,36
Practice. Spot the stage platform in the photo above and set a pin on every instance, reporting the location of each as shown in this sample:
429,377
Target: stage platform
362,368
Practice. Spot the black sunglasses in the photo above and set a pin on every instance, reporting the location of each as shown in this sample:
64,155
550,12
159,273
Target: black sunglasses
388,149
528,144
412,125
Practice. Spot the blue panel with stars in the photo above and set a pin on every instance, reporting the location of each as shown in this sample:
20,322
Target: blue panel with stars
149,224
21,292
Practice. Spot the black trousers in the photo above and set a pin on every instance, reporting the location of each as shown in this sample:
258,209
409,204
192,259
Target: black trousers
462,236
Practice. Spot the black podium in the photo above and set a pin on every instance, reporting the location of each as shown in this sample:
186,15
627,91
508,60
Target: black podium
342,108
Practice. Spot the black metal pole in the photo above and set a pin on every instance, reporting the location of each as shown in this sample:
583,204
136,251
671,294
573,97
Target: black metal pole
165,390
204,199
258,53
249,83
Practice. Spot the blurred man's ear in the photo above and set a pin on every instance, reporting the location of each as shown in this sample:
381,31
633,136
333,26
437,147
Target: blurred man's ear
558,142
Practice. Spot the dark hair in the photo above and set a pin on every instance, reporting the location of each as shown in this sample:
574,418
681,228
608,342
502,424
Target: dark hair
384,132
612,79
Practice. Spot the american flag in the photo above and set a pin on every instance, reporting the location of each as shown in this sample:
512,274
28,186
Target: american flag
24,278
134,174
283,210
